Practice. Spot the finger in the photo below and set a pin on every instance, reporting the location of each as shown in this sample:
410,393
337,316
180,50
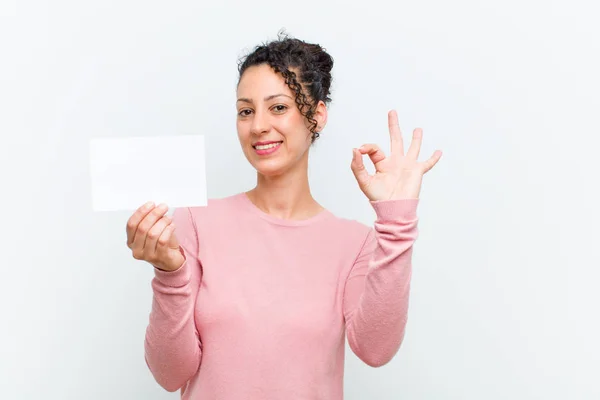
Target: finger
145,225
415,145
358,168
396,143
151,245
166,244
373,151
168,239
135,219
432,160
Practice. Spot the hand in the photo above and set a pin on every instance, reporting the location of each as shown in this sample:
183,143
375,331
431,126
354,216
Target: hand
398,176
150,236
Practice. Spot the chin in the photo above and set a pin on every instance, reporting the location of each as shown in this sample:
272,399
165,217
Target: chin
270,168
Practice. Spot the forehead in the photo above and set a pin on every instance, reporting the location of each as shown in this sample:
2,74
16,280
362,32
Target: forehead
261,80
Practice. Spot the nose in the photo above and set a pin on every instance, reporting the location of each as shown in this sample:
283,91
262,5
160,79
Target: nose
260,123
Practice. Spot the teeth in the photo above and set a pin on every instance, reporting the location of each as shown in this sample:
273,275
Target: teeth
266,146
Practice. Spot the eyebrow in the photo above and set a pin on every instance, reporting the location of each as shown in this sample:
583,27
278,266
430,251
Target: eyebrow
271,97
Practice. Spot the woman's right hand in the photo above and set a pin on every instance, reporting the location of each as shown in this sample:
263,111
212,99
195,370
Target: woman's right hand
151,237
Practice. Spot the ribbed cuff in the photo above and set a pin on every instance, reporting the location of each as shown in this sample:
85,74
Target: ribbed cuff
180,277
396,210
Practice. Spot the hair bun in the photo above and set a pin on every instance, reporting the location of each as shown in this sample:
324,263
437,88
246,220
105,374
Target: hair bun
322,59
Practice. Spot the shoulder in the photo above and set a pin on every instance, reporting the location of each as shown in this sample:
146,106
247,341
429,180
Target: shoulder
348,240
216,207
217,212
217,215
351,230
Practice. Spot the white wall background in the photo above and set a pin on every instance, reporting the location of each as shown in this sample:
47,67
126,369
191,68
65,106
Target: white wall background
505,290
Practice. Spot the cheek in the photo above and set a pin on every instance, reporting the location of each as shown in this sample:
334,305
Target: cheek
298,143
295,131
242,132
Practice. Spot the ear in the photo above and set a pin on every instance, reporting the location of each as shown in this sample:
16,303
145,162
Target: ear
321,116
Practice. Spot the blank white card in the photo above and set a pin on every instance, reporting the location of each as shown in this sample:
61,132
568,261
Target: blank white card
128,172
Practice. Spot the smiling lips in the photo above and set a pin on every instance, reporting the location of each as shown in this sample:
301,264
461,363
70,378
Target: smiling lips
265,148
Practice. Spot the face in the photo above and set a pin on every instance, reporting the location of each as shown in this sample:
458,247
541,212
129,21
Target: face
274,135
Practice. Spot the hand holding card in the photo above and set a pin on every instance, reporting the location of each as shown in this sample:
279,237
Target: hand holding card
151,238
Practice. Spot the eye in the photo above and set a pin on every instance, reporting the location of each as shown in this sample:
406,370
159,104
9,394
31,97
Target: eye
244,112
280,108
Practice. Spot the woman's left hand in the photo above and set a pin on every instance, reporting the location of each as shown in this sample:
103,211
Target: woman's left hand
398,176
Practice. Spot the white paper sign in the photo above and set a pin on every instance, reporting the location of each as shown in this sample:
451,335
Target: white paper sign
128,172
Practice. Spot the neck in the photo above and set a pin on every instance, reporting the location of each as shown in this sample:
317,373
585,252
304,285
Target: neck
285,196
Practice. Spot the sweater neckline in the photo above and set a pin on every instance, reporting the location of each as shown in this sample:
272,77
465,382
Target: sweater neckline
245,200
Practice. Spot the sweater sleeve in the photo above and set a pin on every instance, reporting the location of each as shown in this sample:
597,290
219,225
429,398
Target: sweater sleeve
172,343
377,288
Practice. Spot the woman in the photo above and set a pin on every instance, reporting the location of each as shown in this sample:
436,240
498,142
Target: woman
255,294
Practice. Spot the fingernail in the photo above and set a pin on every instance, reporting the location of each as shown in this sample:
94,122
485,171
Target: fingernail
148,205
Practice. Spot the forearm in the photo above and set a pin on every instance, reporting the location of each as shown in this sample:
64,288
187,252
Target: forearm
172,346
376,327
376,323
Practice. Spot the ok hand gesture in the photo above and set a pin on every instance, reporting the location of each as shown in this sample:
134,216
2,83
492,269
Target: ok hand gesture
397,176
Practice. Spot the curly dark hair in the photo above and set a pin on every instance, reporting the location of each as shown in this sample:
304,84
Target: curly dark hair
312,63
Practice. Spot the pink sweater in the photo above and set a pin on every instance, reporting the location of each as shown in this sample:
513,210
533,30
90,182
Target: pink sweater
261,306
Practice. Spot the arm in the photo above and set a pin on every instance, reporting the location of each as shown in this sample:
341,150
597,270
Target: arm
378,285
172,344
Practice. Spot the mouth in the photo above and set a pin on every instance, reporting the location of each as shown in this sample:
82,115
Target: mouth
266,145
264,148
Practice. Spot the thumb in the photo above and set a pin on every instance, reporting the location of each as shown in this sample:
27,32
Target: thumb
358,168
172,243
